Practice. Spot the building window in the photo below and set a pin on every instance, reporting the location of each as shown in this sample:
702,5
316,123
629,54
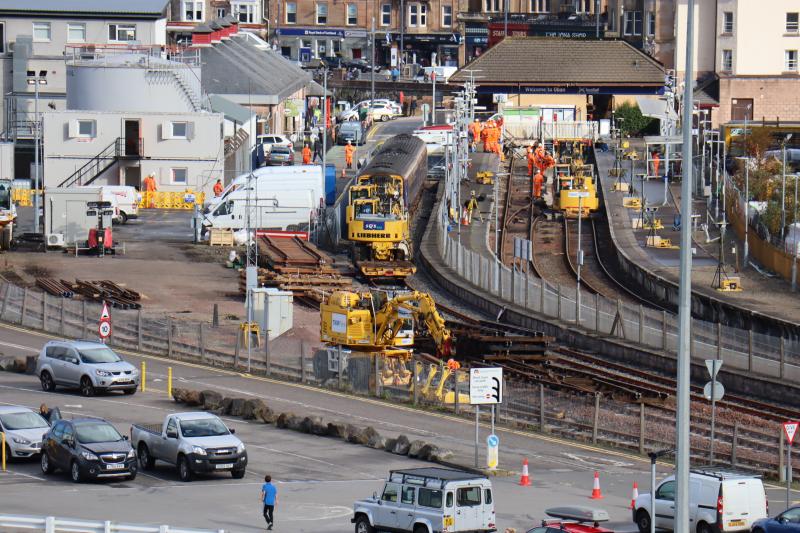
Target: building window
540,6
413,15
337,47
221,12
180,176
633,23
492,5
727,60
423,15
322,13
86,128
180,130
727,22
352,14
792,22
291,12
2,37
121,32
192,10
447,16
386,14
322,48
76,33
246,12
41,31
583,6
651,23
791,60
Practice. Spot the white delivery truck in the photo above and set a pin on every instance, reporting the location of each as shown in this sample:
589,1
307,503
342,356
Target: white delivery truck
66,218
270,179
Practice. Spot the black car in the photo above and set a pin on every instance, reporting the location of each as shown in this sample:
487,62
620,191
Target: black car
88,448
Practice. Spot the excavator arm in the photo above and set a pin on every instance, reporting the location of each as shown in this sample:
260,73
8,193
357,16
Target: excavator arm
423,309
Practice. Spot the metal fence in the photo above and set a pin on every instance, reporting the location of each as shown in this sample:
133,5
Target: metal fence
51,524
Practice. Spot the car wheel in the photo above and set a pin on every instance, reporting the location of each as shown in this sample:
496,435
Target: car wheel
184,470
48,385
133,473
362,525
87,389
703,527
238,474
47,466
129,392
146,461
419,528
75,472
123,217
385,118
9,457
643,521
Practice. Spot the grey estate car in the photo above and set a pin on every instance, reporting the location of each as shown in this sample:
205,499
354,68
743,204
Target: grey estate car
89,366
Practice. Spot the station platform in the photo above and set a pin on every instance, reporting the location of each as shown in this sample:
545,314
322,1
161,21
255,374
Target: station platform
762,295
474,236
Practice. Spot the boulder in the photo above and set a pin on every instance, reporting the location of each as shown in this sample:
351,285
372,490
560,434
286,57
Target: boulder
237,407
178,394
212,400
308,424
13,364
193,398
377,442
401,445
251,406
264,414
295,423
363,436
389,444
282,421
415,447
30,363
439,455
354,435
337,430
319,427
225,407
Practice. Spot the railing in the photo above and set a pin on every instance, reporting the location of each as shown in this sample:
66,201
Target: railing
51,524
151,55
122,147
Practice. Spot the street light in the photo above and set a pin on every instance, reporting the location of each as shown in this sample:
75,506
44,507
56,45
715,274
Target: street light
746,191
36,80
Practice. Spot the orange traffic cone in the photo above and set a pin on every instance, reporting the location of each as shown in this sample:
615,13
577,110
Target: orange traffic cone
524,479
464,217
596,494
634,495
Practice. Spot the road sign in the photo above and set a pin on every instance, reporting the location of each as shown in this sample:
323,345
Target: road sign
485,386
790,428
105,314
104,329
713,366
492,451
578,194
719,391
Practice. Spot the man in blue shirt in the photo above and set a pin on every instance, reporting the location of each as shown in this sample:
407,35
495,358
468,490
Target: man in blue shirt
269,495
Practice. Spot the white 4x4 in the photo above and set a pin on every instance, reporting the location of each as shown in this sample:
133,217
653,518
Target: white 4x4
718,502
271,139
428,500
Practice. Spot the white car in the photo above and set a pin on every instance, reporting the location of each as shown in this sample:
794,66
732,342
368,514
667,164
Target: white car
24,430
718,502
272,139
382,112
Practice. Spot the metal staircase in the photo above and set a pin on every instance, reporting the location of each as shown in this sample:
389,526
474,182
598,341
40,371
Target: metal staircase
187,90
121,148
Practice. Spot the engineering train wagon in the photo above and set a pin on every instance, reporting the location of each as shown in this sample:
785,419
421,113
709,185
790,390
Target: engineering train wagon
381,203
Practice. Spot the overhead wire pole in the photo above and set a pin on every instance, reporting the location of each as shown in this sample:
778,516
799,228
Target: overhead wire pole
372,65
684,295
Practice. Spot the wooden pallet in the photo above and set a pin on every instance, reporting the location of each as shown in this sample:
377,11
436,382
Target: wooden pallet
220,237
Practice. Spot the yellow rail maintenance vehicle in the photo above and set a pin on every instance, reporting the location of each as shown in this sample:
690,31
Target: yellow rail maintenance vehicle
574,182
381,205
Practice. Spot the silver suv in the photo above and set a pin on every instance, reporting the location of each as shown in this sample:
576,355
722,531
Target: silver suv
88,365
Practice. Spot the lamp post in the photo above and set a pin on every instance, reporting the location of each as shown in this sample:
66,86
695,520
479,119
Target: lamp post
794,255
746,192
36,79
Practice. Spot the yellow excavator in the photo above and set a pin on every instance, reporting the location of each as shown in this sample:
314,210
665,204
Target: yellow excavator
371,323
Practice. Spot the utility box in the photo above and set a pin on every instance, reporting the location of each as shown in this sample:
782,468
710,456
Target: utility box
280,310
65,215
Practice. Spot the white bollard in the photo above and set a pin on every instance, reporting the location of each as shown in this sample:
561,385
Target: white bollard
50,524
107,527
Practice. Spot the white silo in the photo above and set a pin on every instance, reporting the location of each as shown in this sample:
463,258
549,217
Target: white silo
133,82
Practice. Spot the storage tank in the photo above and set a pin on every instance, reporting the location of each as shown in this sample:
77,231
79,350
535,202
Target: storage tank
133,82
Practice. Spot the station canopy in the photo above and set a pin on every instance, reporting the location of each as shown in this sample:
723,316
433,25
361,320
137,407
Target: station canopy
533,65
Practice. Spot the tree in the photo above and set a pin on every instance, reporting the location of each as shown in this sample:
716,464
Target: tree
633,122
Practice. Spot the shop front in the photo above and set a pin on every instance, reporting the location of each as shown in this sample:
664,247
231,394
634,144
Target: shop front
306,44
426,49
476,40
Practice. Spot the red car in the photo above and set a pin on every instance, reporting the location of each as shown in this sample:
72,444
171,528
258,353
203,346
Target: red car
573,519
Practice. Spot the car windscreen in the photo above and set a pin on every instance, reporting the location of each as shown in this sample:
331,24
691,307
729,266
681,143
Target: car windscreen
98,355
203,427
91,433
12,421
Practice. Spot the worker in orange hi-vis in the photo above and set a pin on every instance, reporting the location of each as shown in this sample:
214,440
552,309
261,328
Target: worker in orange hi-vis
150,189
538,181
306,155
218,188
349,151
485,137
530,158
656,163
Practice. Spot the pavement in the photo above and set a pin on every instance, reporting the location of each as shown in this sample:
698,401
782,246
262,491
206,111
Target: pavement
318,478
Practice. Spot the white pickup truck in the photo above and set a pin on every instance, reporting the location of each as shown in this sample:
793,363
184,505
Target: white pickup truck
193,442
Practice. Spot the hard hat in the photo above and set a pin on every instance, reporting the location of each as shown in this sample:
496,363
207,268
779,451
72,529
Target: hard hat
473,193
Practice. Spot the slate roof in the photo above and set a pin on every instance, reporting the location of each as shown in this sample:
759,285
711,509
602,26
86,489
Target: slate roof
707,92
231,110
542,61
239,67
152,8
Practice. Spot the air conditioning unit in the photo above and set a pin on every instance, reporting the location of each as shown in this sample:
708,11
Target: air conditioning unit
55,240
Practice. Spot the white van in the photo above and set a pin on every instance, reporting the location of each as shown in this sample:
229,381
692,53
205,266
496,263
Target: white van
718,502
269,179
124,199
428,500
286,213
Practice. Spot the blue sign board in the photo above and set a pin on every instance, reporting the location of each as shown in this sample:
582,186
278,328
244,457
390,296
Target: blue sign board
320,32
497,89
374,226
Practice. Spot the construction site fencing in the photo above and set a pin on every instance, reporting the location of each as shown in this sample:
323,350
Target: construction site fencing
155,200
419,381
536,129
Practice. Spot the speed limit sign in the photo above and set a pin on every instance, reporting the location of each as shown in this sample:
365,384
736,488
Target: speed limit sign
105,329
